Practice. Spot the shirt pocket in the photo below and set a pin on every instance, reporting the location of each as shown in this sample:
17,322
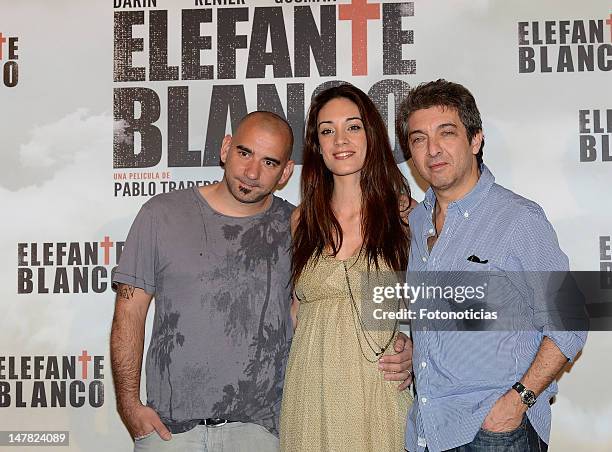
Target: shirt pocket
470,266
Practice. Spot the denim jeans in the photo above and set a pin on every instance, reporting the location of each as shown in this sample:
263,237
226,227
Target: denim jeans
522,439
232,437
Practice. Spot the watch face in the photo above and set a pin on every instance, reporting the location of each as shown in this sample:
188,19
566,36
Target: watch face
528,397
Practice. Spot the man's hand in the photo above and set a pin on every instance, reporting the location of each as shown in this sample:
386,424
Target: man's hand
141,420
507,413
398,367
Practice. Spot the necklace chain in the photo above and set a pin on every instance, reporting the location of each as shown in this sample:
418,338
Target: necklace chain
366,335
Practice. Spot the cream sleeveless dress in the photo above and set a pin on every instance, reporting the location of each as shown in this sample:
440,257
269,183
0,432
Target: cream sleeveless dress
334,400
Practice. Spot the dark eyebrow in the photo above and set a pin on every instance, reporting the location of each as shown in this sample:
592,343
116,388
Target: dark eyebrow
416,131
446,124
348,119
245,149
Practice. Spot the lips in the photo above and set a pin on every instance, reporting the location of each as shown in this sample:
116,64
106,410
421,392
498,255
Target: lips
343,155
247,185
437,166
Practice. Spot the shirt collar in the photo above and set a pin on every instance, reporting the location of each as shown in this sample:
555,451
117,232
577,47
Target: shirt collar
469,201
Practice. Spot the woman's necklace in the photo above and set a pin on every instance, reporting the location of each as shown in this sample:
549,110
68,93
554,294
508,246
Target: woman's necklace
369,340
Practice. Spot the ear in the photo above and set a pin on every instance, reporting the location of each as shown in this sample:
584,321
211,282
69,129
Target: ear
287,172
476,142
226,145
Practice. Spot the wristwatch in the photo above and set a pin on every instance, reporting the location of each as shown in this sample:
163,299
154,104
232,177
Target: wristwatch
528,397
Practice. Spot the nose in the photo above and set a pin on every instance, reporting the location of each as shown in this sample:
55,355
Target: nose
433,147
340,138
251,170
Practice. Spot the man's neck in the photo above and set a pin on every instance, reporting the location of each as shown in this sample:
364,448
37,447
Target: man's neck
445,196
220,199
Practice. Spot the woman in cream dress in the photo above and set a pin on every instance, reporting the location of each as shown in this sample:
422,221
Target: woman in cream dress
350,234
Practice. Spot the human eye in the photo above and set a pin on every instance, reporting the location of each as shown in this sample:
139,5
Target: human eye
448,133
325,131
355,127
418,139
270,163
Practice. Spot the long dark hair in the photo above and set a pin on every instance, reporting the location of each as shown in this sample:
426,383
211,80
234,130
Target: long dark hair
383,188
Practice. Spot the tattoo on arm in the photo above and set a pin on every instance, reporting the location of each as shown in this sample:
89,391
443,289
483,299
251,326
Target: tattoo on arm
126,292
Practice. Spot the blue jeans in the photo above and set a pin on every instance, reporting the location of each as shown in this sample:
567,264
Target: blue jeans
522,439
231,437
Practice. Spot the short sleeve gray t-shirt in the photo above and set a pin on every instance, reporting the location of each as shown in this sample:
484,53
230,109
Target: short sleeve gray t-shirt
222,326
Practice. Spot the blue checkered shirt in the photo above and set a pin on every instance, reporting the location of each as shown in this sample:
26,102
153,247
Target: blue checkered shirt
460,374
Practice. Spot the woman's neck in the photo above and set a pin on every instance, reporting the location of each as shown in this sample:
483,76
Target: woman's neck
346,196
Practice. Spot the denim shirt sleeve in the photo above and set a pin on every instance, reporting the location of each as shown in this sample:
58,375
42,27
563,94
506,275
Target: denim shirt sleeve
534,251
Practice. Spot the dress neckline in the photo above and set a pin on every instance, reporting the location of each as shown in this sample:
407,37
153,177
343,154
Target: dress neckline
355,255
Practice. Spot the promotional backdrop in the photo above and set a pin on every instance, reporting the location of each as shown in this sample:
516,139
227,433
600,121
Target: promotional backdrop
106,103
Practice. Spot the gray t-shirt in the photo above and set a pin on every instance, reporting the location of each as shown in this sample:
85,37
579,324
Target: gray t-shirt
222,326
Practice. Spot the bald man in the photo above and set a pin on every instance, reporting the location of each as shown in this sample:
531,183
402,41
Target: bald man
215,363
217,260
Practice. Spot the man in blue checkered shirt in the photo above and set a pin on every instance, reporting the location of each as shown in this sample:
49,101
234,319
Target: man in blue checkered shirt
477,390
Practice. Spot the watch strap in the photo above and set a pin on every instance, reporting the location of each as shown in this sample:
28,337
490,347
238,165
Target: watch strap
518,387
